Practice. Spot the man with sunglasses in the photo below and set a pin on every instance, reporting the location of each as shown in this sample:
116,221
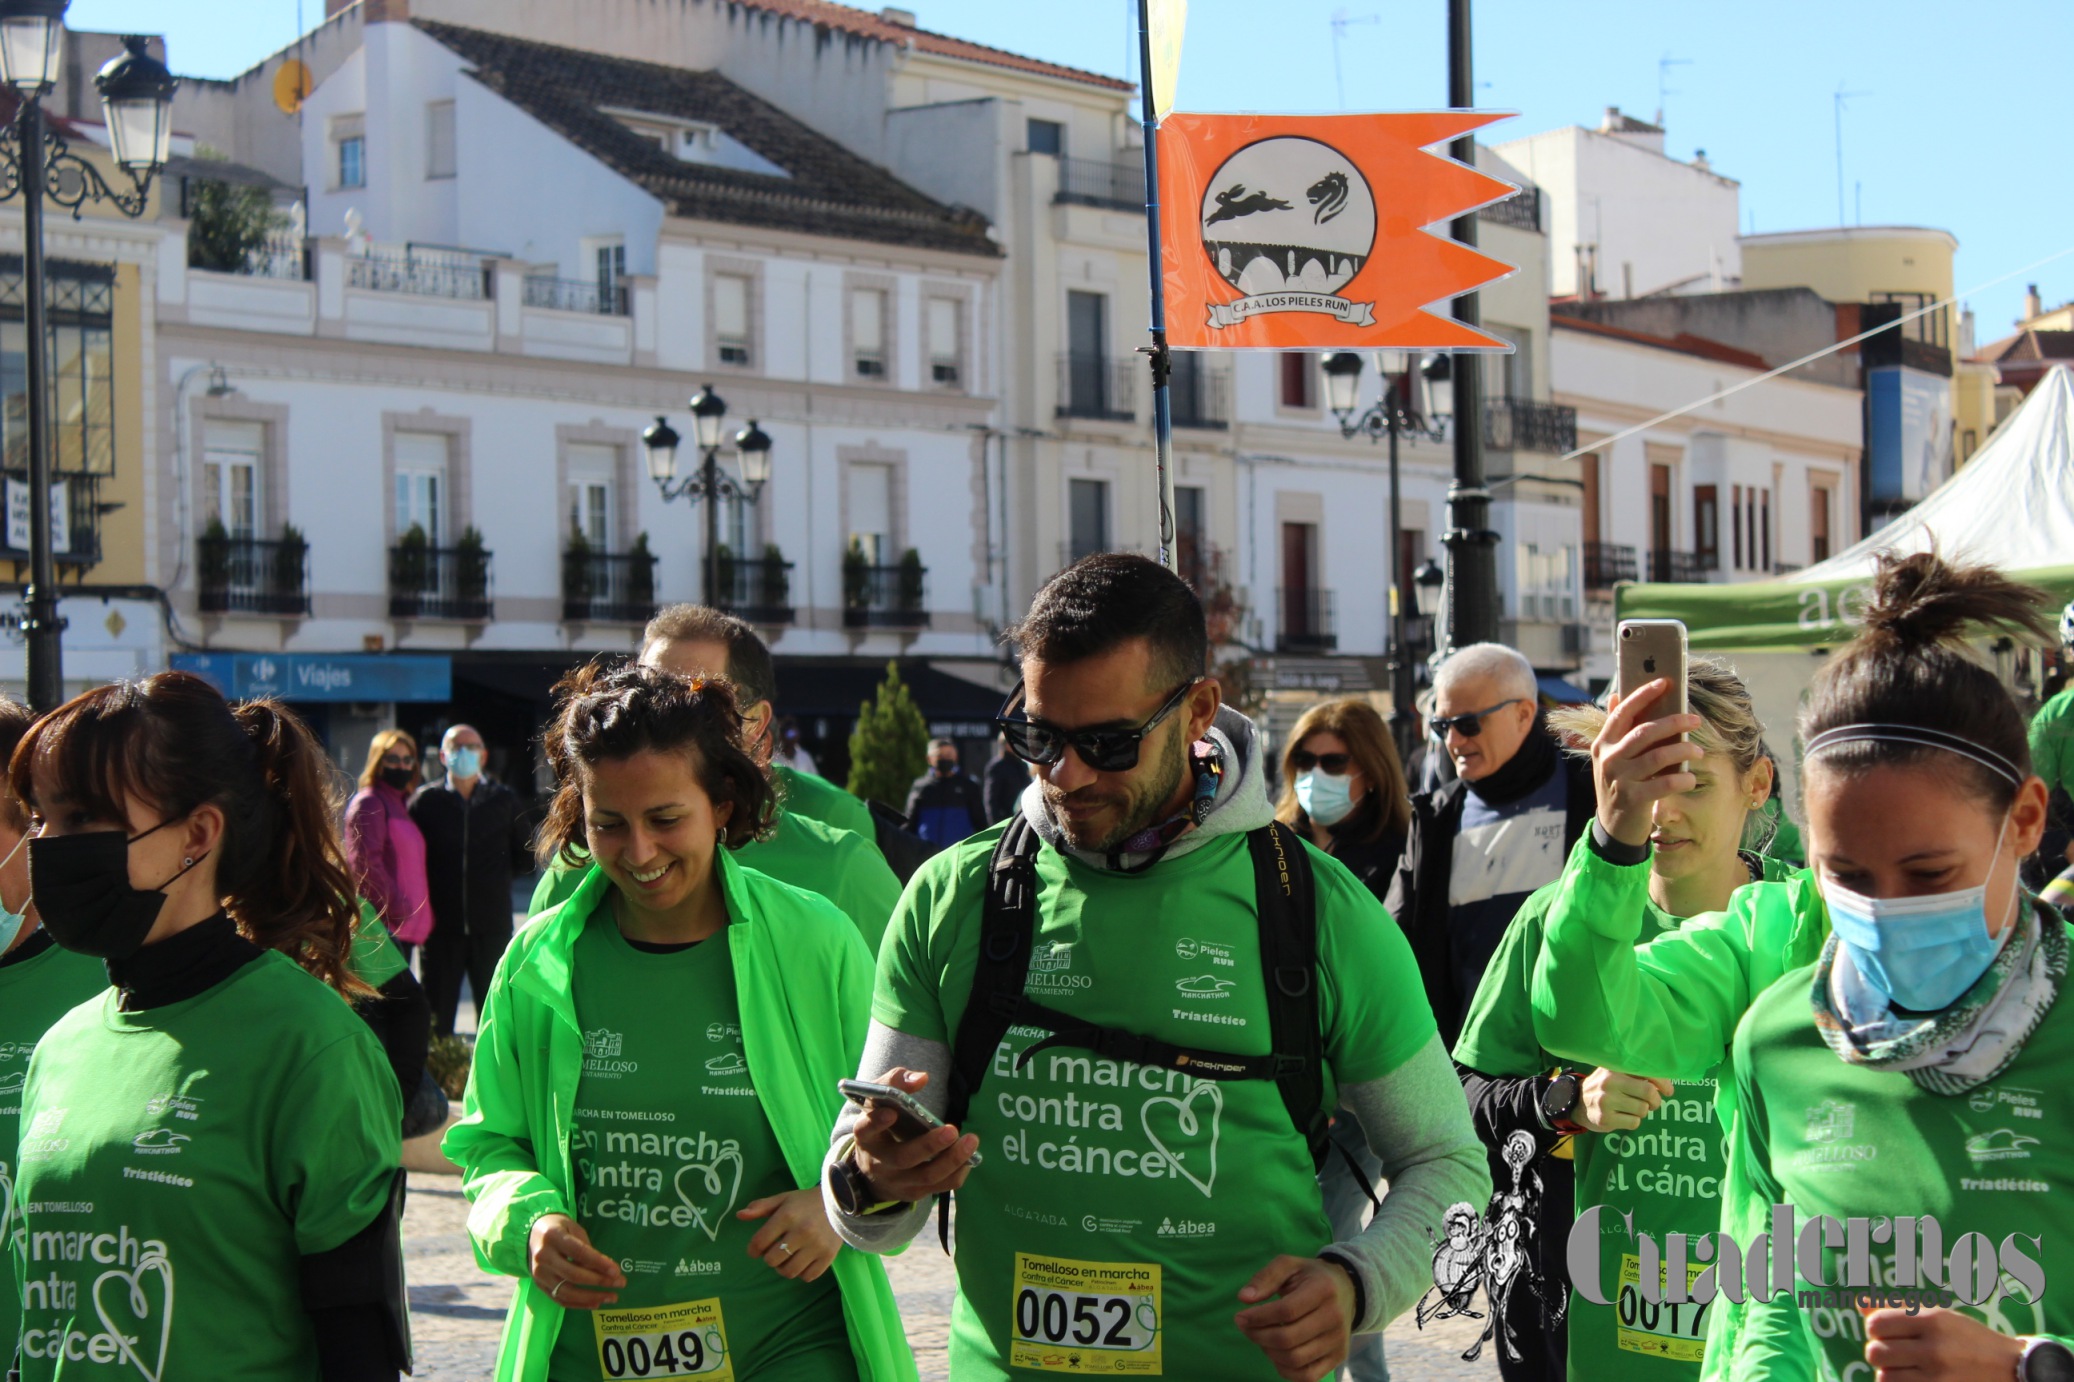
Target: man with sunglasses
1130,1215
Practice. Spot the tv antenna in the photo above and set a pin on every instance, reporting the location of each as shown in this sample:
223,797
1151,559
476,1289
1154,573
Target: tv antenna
1841,97
1664,65
1341,22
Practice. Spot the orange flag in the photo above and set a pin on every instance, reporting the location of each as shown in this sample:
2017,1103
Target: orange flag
1310,232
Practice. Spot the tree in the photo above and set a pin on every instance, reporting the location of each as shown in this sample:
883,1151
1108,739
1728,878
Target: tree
890,746
228,224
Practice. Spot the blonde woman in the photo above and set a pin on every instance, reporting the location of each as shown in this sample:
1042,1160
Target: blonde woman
383,844
1343,786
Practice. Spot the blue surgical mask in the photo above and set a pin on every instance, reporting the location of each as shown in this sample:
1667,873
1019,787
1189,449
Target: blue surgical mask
11,921
1324,798
464,763
1920,953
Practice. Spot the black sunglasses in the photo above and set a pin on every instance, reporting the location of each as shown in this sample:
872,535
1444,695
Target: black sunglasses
1334,764
1104,750
1470,725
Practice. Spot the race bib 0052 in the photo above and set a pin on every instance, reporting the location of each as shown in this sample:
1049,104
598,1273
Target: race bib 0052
1674,1331
687,1340
1085,1317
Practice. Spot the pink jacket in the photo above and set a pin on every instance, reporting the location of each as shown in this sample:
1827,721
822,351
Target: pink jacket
387,854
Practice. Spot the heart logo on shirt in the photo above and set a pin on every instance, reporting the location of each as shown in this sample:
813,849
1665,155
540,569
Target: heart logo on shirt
140,1310
703,1200
1172,1125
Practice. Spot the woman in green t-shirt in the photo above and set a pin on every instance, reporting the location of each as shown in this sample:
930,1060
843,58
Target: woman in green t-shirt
218,1121
656,1073
1662,1165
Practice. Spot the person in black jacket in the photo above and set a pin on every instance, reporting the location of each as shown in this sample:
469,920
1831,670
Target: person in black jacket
944,805
1343,787
475,839
1007,778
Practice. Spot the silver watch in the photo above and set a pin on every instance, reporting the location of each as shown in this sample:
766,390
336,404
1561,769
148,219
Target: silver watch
2045,1360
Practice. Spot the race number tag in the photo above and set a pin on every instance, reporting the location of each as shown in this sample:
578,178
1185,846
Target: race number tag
1674,1332
687,1340
1085,1317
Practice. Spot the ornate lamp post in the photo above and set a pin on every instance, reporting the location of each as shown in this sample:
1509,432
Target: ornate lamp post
710,483
37,164
1392,415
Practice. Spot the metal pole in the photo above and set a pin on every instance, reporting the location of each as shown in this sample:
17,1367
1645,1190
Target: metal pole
709,481
1162,411
43,628
1403,721
1472,558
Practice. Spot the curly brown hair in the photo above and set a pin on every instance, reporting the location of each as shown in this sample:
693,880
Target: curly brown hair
614,713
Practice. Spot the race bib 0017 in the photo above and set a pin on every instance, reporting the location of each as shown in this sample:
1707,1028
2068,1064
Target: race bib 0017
1085,1317
1677,1332
687,1340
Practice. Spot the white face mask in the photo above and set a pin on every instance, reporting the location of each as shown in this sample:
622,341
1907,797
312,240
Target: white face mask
1326,799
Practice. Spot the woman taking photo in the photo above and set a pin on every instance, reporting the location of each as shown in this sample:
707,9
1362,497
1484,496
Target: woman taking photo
39,982
1703,852
1917,1041
219,1121
1342,786
656,1073
384,844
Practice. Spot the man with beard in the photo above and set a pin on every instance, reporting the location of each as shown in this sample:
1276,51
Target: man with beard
1120,1039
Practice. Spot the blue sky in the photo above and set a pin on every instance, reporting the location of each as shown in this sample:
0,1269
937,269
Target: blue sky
1960,107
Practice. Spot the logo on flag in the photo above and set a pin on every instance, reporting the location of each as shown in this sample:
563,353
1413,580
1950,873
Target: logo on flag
1289,223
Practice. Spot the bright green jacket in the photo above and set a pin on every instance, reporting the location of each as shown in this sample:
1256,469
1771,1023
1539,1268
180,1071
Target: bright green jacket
840,865
793,953
819,799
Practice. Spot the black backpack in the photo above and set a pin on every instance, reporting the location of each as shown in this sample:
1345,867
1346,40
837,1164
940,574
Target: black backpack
1288,918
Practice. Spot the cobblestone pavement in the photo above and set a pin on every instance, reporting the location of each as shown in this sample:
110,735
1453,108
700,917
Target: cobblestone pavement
457,1310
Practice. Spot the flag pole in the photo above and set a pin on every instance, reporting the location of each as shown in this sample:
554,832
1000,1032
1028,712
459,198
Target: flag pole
1162,410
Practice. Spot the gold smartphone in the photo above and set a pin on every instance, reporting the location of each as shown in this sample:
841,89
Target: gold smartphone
1651,650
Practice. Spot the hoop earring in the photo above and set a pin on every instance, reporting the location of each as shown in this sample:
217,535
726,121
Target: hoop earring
187,863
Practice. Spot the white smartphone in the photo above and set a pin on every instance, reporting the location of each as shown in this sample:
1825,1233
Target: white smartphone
1652,650
913,1121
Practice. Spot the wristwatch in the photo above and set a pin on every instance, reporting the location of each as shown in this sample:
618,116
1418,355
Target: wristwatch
852,1193
1559,1101
2045,1360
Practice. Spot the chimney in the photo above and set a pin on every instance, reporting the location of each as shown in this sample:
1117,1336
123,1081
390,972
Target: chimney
894,15
1699,161
1612,120
2034,306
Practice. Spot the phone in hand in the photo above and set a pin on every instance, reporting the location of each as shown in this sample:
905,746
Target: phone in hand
912,1121
1654,650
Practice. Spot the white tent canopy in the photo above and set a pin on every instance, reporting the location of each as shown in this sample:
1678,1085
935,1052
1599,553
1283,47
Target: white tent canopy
2012,504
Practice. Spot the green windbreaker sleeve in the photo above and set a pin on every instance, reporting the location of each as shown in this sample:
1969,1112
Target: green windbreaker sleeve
500,1169
1758,1338
1667,1009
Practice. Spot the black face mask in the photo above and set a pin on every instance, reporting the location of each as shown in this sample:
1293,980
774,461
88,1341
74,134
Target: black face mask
81,884
399,778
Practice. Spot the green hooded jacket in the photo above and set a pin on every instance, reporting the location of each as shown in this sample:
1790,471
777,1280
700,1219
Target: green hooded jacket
792,954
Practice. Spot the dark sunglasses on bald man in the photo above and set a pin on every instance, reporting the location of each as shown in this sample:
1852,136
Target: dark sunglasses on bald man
1104,750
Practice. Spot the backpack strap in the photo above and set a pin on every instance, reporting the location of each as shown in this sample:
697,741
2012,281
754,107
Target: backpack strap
1007,929
1288,910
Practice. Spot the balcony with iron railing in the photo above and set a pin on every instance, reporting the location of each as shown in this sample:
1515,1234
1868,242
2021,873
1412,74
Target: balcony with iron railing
884,597
575,295
1197,394
1095,182
439,583
76,517
278,254
1522,212
759,591
463,279
244,575
1306,621
1678,568
1606,564
607,588
1528,424
1096,386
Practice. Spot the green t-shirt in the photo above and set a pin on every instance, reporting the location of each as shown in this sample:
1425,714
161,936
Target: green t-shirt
819,799
843,867
1120,1208
1842,1140
1667,1173
2052,741
376,960
34,993
210,1145
668,1141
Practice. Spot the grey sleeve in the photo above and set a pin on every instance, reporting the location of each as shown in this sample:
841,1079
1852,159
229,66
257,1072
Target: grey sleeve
1416,1120
885,1048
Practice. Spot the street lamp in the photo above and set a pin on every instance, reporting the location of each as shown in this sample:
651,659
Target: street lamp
1391,416
37,164
710,483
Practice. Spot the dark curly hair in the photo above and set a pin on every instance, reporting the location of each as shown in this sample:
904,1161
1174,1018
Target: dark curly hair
614,713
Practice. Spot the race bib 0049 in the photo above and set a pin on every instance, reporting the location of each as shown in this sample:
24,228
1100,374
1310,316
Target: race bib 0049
1674,1331
1085,1317
687,1340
